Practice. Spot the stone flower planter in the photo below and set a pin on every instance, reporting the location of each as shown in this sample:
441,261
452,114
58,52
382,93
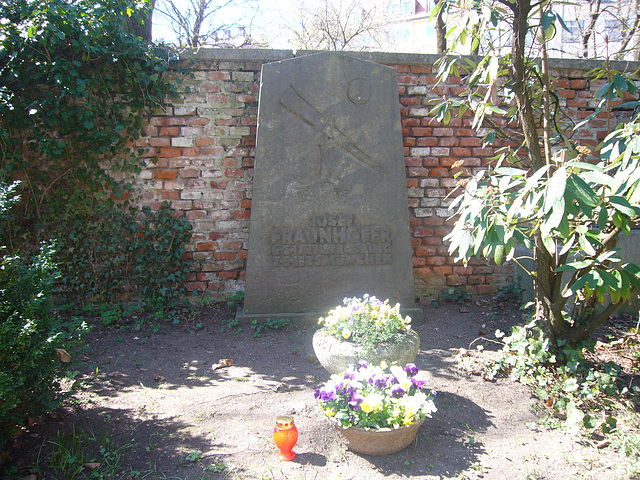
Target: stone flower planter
336,355
382,441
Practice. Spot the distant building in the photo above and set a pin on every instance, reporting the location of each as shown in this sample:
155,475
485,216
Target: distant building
410,27
413,32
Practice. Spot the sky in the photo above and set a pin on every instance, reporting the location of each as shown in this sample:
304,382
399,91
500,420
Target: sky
264,17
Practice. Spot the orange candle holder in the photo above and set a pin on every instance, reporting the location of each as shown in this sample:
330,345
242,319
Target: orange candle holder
285,436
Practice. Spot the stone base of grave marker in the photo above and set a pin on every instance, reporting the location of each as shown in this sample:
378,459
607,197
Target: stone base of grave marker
329,213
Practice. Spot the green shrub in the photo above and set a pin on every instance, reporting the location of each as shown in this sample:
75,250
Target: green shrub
147,261
30,334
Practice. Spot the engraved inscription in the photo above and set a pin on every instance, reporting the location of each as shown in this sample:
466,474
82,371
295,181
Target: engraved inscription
331,240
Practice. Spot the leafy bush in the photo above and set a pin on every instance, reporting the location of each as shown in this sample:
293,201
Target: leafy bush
575,389
146,262
30,335
76,90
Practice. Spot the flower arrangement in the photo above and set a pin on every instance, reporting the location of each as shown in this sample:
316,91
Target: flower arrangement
366,321
376,397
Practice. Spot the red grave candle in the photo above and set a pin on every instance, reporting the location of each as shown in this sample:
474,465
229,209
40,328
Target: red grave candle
285,436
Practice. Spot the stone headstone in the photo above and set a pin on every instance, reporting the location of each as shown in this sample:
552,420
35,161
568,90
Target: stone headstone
329,212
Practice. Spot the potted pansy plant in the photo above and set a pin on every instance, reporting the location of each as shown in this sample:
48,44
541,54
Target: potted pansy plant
377,409
364,329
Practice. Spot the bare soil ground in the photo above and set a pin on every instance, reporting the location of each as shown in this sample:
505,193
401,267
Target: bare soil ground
157,403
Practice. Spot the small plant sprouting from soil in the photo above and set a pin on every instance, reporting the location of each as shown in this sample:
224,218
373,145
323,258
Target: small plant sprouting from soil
268,324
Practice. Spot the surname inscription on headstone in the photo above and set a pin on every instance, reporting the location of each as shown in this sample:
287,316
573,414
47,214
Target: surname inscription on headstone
329,214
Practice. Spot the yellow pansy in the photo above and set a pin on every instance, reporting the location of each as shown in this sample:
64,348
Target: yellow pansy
372,402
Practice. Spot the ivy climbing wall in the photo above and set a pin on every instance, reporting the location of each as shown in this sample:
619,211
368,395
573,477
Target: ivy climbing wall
201,148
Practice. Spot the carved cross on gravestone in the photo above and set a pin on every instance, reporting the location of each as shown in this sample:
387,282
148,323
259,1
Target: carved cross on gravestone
329,212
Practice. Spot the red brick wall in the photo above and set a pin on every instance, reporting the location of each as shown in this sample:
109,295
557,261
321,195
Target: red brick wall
201,153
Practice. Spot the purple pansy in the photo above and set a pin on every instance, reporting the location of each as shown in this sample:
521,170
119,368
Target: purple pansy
417,383
411,370
397,391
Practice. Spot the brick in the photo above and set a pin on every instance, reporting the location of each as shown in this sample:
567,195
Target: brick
427,142
444,270
409,100
579,84
418,172
439,172
169,152
421,131
456,280
173,121
223,256
234,173
244,98
206,246
443,132
169,131
436,261
461,152
227,275
483,152
420,69
440,151
470,142
196,286
160,142
448,141
567,93
165,174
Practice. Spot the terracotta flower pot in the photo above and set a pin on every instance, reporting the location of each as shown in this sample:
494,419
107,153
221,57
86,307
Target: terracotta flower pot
383,441
336,355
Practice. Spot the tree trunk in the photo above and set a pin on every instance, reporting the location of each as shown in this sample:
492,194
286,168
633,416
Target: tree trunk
521,9
441,30
140,23
546,279
594,13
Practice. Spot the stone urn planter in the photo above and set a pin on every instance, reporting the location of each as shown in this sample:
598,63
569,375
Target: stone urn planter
381,441
336,355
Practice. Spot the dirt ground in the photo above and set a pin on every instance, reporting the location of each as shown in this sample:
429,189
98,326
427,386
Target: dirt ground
157,400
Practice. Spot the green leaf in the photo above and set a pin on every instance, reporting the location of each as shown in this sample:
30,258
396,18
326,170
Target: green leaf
555,190
498,253
586,245
583,192
547,20
574,266
604,89
622,205
628,105
603,218
620,84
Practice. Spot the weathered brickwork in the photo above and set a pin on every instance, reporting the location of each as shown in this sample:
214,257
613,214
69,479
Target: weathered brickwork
201,153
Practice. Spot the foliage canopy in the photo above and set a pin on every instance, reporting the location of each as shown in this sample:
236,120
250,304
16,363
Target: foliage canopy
76,90
547,190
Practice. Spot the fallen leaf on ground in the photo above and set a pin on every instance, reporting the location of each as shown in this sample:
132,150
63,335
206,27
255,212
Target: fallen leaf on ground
223,362
63,355
92,465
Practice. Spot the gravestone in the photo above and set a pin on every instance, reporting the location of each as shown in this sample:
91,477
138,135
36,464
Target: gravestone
329,211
